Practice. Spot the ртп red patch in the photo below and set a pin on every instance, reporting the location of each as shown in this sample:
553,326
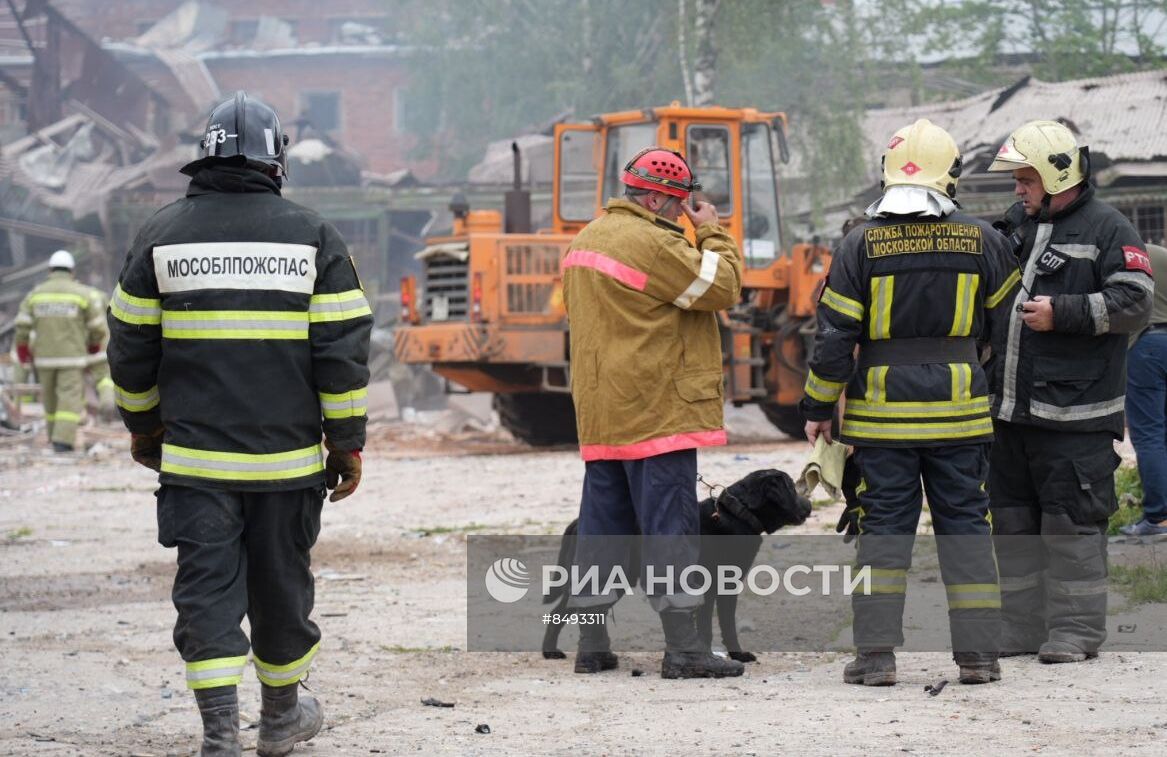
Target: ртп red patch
1136,259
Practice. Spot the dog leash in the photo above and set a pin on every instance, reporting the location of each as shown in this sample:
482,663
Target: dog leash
711,487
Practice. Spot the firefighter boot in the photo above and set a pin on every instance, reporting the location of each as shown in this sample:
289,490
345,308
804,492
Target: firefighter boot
977,667
871,667
595,648
686,656
219,707
285,720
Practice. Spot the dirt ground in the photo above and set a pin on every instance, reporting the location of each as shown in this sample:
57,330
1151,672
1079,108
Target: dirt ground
89,668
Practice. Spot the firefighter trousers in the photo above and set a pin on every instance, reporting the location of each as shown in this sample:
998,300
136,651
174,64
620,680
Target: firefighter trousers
63,395
1052,493
890,501
242,553
656,497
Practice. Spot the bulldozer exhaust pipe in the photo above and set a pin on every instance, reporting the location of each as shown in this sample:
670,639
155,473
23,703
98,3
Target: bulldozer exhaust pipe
518,200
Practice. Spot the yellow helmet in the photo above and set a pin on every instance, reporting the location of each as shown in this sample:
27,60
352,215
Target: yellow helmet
1049,148
922,155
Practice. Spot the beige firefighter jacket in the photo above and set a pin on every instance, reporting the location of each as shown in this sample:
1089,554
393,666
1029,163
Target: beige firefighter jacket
646,372
68,317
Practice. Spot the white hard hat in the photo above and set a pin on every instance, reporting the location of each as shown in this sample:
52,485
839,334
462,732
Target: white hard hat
62,259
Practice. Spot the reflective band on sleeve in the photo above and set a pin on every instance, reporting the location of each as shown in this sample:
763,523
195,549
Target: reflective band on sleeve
63,416
234,324
1141,280
842,305
1003,291
1098,313
821,389
338,306
136,311
966,292
136,402
285,675
882,290
973,596
345,405
223,671
709,262
1076,412
237,466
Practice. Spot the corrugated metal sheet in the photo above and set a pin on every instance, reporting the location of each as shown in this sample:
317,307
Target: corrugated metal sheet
1123,117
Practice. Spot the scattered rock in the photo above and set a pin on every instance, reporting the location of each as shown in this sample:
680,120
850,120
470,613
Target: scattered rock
482,728
431,702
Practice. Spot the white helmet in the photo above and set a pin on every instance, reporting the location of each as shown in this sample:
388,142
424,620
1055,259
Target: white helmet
62,259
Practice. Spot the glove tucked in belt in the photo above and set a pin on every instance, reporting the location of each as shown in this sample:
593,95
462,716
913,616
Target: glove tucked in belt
342,471
23,353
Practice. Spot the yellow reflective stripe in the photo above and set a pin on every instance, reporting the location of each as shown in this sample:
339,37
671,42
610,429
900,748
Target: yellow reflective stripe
338,306
876,392
106,383
136,402
346,404
234,324
237,466
917,431
882,290
64,416
72,299
841,304
962,313
1010,281
136,311
285,675
222,671
888,581
822,389
961,382
972,596
938,409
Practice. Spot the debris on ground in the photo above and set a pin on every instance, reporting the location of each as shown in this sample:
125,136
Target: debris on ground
431,702
482,728
936,688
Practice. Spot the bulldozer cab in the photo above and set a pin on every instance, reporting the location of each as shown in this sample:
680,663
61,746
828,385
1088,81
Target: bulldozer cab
731,151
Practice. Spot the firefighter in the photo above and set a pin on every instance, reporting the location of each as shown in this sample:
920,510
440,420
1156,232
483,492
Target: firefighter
67,317
240,334
916,287
647,386
1086,285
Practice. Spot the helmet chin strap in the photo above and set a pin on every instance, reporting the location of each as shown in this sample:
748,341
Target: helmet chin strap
1043,213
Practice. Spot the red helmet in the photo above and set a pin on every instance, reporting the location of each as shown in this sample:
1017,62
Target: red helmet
660,170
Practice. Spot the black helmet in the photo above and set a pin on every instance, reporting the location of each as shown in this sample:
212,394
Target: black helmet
247,127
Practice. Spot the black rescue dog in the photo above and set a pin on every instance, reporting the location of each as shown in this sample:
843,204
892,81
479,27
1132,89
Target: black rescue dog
762,502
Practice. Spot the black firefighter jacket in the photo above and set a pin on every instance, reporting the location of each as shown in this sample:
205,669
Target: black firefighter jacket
1090,261
240,325
916,295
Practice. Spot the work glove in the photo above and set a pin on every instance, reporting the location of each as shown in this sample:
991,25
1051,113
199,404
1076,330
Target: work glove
93,349
23,353
848,524
146,449
342,471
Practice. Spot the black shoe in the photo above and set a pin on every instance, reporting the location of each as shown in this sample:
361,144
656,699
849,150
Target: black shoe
595,662
285,720
871,667
219,708
686,656
62,447
980,673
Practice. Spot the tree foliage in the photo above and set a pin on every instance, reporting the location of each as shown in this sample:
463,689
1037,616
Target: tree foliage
490,69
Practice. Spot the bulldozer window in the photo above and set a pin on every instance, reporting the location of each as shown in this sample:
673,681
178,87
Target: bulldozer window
708,154
623,143
577,175
759,197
